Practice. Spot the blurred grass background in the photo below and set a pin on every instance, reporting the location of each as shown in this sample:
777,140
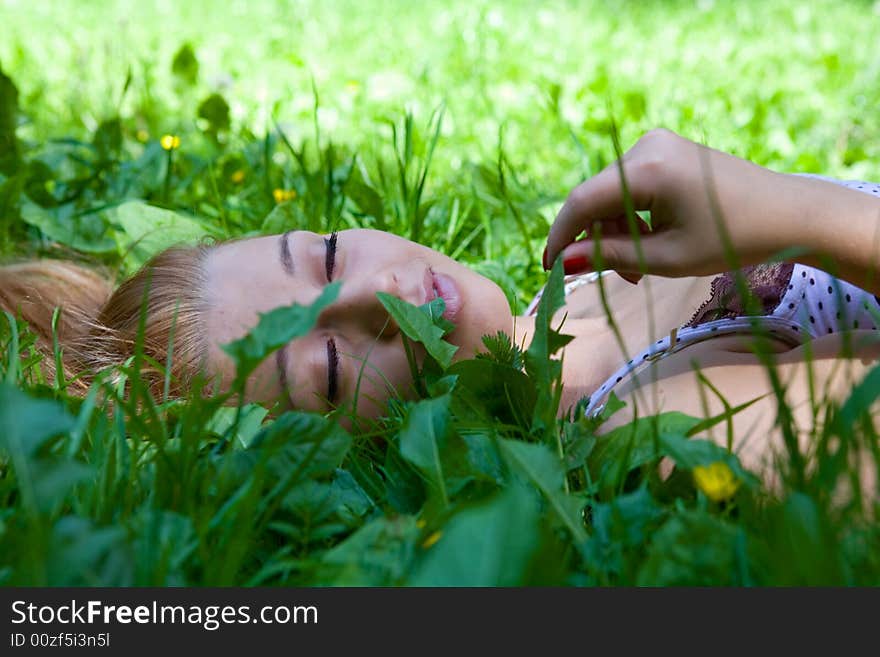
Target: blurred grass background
790,84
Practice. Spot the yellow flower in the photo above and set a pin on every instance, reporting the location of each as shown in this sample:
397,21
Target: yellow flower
142,136
282,195
237,176
716,480
170,142
433,538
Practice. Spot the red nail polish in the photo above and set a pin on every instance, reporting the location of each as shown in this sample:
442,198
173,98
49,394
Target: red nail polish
575,264
544,260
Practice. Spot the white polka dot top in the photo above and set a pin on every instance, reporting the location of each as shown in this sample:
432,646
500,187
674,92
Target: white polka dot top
800,303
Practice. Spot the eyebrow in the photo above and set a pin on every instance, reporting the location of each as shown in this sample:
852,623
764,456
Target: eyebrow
284,248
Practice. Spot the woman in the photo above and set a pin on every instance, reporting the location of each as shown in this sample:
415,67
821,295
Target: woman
205,296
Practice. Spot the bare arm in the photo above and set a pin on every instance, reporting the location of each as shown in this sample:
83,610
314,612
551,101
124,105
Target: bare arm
712,212
841,225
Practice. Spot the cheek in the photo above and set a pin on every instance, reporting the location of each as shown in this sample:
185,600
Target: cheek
489,313
384,374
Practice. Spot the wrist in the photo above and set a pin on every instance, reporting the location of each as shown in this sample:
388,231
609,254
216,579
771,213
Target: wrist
764,210
836,225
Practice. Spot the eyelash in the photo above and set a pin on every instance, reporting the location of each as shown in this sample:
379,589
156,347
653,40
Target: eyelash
332,354
332,370
330,256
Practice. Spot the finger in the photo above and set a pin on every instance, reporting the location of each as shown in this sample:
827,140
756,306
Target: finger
630,278
620,254
601,199
620,225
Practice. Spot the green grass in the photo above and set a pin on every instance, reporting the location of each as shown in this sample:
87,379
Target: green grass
459,124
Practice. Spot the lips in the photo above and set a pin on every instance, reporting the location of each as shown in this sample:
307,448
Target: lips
445,287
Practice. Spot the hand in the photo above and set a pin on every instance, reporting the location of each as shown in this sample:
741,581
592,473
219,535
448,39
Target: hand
710,212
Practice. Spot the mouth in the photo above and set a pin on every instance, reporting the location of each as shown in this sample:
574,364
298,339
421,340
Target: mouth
445,287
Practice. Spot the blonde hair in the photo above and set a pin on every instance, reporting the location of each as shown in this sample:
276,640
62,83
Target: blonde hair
98,326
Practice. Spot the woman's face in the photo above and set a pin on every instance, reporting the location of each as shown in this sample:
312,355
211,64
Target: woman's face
354,338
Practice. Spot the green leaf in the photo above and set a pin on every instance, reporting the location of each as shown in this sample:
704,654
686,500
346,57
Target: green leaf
860,401
423,436
61,224
304,443
185,65
144,230
53,479
39,179
80,554
489,391
285,216
483,457
10,199
543,469
9,146
620,530
404,486
324,510
806,544
627,520
249,422
108,139
164,545
650,438
611,406
545,340
635,444
26,423
351,499
578,442
215,110
275,329
487,545
314,504
501,349
546,371
378,554
368,200
691,452
421,324
692,549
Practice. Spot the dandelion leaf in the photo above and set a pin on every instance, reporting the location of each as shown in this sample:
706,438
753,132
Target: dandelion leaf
491,544
423,324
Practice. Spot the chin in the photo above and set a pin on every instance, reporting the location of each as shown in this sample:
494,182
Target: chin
477,304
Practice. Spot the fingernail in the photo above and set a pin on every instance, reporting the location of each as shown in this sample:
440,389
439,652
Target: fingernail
574,264
544,260
630,278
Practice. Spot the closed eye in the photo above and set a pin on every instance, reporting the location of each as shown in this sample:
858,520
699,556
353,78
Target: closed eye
330,255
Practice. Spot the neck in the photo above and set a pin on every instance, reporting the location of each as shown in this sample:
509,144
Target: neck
584,365
641,314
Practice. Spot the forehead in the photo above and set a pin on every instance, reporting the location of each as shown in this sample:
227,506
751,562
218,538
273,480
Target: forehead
244,278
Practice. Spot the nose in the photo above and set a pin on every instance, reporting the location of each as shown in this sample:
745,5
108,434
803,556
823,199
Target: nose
357,304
